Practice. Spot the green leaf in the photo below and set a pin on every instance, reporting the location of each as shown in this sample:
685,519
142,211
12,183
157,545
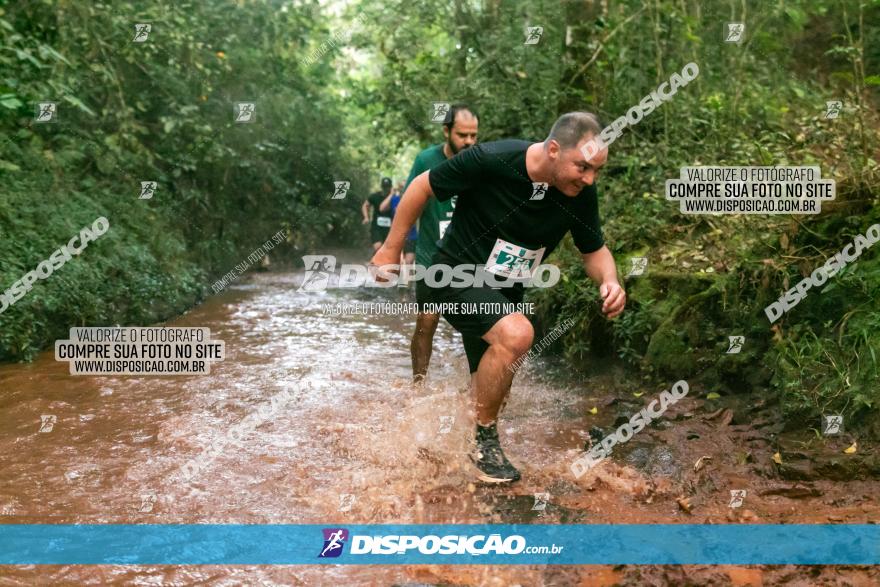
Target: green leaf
10,101
7,166
26,56
872,80
47,50
76,102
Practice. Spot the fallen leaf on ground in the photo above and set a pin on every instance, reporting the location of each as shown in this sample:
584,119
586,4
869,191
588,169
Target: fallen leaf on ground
727,417
701,462
684,503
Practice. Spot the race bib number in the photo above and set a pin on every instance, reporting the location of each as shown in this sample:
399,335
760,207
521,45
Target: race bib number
444,224
513,261
383,221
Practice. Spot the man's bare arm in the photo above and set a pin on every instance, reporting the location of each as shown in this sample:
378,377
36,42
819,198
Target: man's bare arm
601,269
408,211
386,203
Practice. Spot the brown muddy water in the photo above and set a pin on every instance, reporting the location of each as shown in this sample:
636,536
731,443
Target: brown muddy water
356,444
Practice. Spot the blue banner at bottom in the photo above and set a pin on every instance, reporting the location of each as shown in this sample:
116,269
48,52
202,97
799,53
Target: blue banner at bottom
392,544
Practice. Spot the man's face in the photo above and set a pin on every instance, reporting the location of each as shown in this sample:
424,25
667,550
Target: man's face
463,133
571,171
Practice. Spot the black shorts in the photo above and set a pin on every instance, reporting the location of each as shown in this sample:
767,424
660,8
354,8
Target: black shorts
378,234
473,325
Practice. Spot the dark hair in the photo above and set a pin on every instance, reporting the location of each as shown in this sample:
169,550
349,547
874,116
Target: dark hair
571,127
386,182
454,109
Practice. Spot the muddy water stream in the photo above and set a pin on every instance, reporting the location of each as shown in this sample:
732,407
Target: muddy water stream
354,443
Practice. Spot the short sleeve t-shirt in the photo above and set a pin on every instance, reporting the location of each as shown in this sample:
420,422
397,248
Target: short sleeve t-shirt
381,219
436,215
413,233
502,219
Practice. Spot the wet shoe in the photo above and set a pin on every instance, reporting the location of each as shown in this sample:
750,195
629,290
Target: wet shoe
489,458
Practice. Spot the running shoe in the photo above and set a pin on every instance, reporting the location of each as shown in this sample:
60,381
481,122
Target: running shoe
489,458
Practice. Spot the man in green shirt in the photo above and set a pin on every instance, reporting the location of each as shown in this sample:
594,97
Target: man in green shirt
516,201
460,130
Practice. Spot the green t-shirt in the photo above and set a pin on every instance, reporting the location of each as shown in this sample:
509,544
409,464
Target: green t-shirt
504,221
437,214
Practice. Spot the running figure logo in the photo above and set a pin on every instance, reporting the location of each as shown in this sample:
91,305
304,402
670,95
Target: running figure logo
46,111
47,422
832,425
147,190
736,344
446,423
346,500
541,500
440,111
833,108
141,32
638,266
539,190
334,540
244,112
147,502
534,35
736,497
341,188
735,32
318,270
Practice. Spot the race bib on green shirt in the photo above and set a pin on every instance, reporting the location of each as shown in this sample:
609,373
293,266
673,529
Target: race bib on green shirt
383,221
513,261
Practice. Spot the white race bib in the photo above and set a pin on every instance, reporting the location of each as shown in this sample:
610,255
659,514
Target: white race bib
444,224
383,221
513,261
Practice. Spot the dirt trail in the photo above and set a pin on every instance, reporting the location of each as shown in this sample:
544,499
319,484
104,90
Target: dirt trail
355,444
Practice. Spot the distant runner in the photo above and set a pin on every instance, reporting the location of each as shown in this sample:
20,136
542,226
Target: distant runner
516,201
381,221
409,247
460,130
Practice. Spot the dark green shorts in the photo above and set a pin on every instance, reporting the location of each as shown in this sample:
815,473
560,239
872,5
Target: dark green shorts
423,295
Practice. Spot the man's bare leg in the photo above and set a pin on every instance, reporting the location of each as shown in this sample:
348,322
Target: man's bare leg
509,339
422,344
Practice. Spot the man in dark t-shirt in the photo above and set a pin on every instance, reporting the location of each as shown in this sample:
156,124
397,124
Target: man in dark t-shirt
516,201
381,221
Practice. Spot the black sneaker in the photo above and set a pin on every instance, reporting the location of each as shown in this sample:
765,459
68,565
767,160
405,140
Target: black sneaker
489,458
